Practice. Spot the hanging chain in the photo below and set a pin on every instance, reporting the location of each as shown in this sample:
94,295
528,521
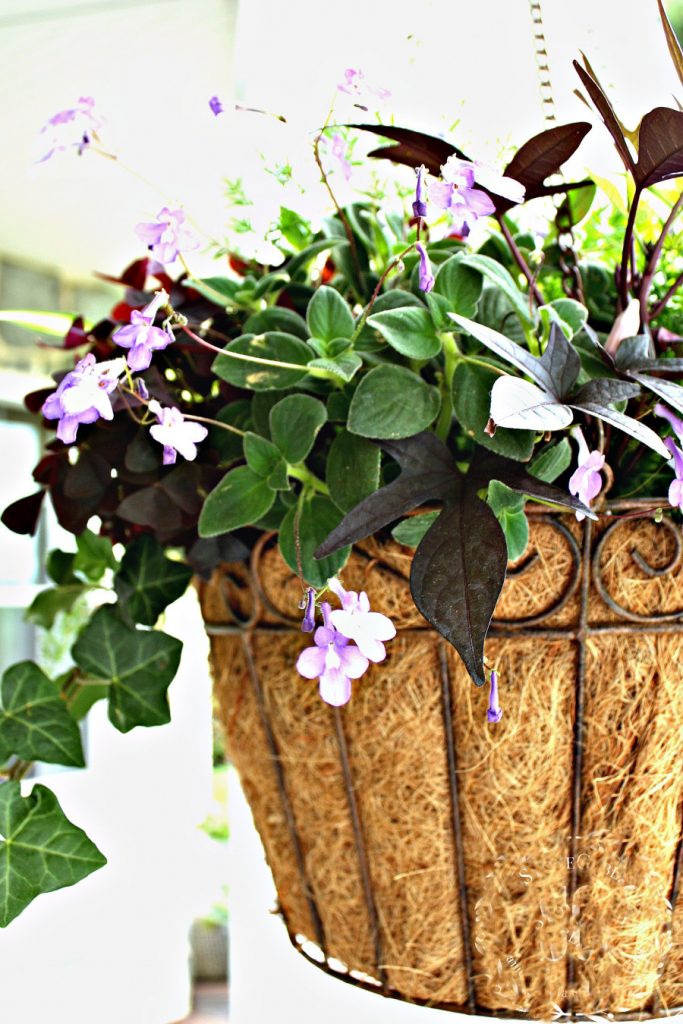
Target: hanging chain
571,275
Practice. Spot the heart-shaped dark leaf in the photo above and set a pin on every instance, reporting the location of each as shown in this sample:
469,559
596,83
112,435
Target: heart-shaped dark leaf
138,664
542,156
428,473
604,108
562,362
413,149
34,721
458,573
669,392
660,146
22,515
148,582
40,849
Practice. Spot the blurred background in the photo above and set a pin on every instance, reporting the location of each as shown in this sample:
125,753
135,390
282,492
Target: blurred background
117,947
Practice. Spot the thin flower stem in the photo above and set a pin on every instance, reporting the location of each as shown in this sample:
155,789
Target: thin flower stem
653,260
520,261
626,250
240,355
214,423
373,298
660,306
323,174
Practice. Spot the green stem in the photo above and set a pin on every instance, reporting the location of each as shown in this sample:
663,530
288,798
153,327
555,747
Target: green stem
249,359
451,354
310,481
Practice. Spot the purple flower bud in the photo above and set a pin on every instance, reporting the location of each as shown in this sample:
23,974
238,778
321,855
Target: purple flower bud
426,276
216,106
586,482
308,625
494,712
141,388
420,204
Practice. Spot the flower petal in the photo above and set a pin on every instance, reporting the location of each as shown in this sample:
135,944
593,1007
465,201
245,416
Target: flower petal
311,662
335,688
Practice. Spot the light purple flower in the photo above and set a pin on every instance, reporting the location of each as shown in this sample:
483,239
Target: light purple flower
676,486
355,84
420,203
676,423
465,173
216,106
308,604
74,128
355,621
166,237
333,660
494,712
339,153
465,205
586,482
141,337
425,272
83,395
175,433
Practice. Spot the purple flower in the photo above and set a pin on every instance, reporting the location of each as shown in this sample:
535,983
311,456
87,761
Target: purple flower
420,204
308,603
141,337
216,106
178,435
70,129
83,396
426,276
333,660
355,84
676,486
466,205
586,482
676,423
339,152
165,237
494,712
355,621
465,173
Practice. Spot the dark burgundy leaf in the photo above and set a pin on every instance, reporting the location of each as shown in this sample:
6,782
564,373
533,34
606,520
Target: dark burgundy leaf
134,276
604,108
428,473
142,455
562,362
414,148
487,466
458,572
672,42
543,155
664,389
660,146
152,507
22,515
673,366
35,400
605,391
88,479
209,552
634,428
181,486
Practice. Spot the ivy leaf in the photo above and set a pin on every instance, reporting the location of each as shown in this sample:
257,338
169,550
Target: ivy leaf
352,471
472,384
139,666
46,605
392,402
317,517
34,721
277,346
409,330
660,147
240,498
428,472
328,316
458,572
518,404
561,361
148,581
40,849
94,555
294,425
665,389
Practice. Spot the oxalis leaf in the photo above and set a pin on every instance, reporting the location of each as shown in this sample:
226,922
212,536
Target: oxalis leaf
34,721
40,849
138,664
148,581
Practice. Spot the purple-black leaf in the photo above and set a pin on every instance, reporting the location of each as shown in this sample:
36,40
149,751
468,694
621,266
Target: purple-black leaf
413,149
542,156
487,466
508,350
428,473
604,108
604,391
628,424
665,389
660,147
674,366
458,573
22,515
562,362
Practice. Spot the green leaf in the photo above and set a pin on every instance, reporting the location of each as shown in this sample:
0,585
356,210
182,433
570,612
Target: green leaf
317,518
409,330
352,469
460,284
262,456
53,324
502,279
240,498
344,367
40,849
270,283
276,318
275,346
94,556
294,227
221,290
396,298
567,313
294,425
34,721
278,479
59,567
392,402
46,605
508,508
472,384
148,581
411,531
138,664
328,316
229,445
552,462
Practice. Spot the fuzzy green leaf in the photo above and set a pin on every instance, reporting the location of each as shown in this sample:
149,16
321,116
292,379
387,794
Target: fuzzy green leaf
240,499
392,402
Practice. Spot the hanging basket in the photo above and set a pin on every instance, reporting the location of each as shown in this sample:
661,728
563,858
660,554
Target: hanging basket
526,868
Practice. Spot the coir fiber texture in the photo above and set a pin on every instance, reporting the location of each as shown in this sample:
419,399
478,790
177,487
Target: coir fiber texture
561,823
